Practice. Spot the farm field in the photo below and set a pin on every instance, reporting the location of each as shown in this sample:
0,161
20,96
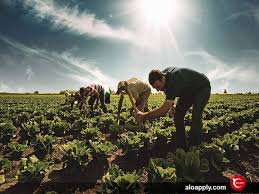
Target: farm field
53,149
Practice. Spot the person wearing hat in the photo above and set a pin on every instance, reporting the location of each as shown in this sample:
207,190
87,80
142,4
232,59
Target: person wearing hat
71,98
139,90
192,88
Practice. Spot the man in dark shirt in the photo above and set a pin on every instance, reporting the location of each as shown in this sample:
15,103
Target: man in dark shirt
192,88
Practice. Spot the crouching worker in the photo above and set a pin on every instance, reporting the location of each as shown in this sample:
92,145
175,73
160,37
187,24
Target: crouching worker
96,93
71,99
193,89
139,90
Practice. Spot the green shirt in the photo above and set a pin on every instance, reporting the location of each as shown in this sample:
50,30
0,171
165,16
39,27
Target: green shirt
106,94
183,82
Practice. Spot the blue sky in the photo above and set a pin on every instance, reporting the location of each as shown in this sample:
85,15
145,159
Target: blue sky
53,45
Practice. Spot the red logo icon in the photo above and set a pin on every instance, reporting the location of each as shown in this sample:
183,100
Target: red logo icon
238,182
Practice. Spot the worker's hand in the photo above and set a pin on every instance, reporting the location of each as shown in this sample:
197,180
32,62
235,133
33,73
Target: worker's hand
139,116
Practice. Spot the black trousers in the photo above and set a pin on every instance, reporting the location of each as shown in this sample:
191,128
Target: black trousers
198,101
92,99
107,99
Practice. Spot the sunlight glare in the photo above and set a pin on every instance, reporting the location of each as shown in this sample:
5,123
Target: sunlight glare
160,12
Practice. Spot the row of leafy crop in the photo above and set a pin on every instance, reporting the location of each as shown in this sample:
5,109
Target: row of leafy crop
23,112
29,103
233,106
239,140
57,122
219,108
210,113
193,165
84,128
161,131
26,126
233,98
38,114
230,122
89,129
129,141
30,135
77,155
47,101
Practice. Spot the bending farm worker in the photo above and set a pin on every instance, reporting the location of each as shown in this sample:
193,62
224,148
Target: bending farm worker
139,90
192,88
71,98
96,93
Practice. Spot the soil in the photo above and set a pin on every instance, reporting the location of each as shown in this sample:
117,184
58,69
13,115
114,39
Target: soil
66,181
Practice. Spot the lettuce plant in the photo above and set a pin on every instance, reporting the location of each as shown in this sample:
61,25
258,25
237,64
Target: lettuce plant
115,181
147,138
23,118
162,135
83,123
102,148
45,126
89,133
17,149
115,129
190,165
51,113
129,141
76,154
5,165
215,156
159,170
43,143
29,130
105,121
32,169
59,127
7,130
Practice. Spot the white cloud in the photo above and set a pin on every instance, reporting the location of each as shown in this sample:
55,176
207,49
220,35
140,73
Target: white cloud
223,75
219,69
234,73
18,45
83,23
87,24
205,56
79,69
28,72
252,12
4,87
88,72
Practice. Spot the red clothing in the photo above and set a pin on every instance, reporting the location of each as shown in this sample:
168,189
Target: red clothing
91,89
